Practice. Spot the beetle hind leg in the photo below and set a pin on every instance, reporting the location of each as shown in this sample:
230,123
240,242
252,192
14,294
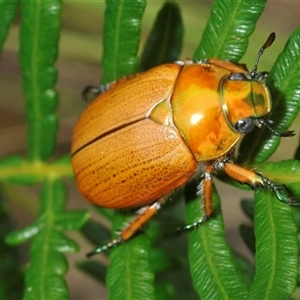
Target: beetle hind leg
105,247
193,225
143,217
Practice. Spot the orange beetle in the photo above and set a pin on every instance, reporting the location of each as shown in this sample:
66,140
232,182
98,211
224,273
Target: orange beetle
149,134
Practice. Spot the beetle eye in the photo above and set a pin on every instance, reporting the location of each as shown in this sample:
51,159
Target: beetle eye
245,125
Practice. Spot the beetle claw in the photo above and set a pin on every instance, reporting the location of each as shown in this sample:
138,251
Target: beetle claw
193,225
258,185
283,193
106,247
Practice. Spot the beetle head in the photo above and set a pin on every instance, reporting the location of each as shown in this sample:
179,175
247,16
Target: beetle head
244,101
253,100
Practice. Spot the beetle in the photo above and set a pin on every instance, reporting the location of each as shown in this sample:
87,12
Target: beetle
147,135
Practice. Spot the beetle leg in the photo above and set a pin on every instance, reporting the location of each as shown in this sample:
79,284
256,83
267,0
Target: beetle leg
108,246
255,179
205,189
144,216
242,175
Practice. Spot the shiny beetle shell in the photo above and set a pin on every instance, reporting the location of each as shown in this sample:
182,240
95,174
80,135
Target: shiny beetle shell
147,134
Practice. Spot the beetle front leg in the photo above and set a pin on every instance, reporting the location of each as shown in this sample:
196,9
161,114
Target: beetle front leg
254,180
130,229
240,174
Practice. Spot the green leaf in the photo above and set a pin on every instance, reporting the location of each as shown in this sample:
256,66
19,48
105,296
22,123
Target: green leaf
284,81
130,274
276,249
165,40
164,291
40,24
106,212
297,152
247,234
8,11
296,211
94,269
245,268
169,255
212,267
247,231
230,24
248,208
52,213
285,172
11,274
95,232
47,265
121,38
16,169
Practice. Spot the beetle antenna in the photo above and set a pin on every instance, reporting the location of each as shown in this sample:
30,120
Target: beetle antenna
267,123
267,44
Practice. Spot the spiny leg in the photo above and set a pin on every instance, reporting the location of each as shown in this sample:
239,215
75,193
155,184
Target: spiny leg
255,179
240,174
205,190
144,216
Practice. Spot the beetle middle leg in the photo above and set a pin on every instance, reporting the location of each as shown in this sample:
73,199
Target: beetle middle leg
206,191
242,175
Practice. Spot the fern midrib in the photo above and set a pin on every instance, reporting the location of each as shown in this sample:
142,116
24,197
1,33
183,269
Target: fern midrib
210,261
